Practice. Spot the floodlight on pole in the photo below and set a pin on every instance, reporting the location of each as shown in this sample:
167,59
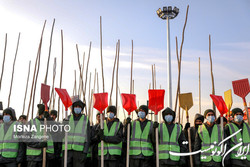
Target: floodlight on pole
166,13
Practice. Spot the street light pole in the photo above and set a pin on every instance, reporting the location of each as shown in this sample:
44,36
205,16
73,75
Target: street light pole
169,66
166,14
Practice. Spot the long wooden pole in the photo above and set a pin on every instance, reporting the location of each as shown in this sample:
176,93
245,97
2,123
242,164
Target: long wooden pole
4,55
13,69
27,83
212,75
53,85
50,45
199,85
117,74
113,76
34,74
61,74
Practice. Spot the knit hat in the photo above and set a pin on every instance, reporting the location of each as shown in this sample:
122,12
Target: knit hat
168,111
144,108
23,116
207,111
78,103
41,109
10,111
198,117
53,112
112,109
236,110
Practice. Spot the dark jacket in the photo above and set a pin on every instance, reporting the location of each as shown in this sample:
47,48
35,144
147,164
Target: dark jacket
243,163
109,139
183,148
151,138
21,149
197,147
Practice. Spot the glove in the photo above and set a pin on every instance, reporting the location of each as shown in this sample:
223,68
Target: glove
187,126
101,134
155,125
128,120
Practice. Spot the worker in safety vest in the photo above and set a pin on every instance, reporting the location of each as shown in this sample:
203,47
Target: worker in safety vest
112,136
243,158
207,139
171,138
141,147
78,136
37,140
11,147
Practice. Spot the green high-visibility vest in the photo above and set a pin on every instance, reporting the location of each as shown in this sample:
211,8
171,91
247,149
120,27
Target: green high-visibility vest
50,145
77,135
238,138
89,155
8,142
169,142
210,142
35,151
139,141
112,149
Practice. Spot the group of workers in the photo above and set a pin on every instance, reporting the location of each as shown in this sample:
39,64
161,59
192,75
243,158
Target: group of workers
214,146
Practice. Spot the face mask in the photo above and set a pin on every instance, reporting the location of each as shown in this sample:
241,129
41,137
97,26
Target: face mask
168,118
238,118
111,115
6,118
77,110
141,114
197,125
211,119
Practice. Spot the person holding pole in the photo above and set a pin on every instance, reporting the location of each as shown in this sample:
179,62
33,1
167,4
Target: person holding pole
112,135
209,135
78,136
171,138
35,145
243,136
12,149
141,147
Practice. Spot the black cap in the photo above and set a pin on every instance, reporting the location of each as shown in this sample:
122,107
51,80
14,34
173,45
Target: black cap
53,112
236,110
23,116
112,109
207,111
11,112
41,109
168,111
144,108
78,103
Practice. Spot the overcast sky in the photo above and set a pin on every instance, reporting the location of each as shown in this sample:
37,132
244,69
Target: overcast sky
226,21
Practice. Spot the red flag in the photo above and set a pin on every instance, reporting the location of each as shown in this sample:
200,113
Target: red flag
45,89
220,104
129,102
64,96
156,99
100,101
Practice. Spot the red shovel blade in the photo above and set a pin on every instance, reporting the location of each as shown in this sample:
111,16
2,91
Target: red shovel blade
45,89
156,99
64,96
100,101
220,104
129,102
241,87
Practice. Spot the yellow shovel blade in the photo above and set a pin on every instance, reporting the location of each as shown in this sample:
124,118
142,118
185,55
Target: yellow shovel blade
186,101
228,99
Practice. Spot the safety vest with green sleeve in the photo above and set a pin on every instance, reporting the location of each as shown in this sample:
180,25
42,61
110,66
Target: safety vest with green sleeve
8,142
210,144
139,141
77,135
244,149
30,150
169,142
112,149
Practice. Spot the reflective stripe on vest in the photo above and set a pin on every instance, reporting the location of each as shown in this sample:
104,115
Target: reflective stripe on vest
77,135
140,142
50,145
35,151
169,143
112,149
244,149
8,142
207,142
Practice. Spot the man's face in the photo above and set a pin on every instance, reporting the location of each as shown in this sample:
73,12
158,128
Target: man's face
198,122
53,116
21,119
210,114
